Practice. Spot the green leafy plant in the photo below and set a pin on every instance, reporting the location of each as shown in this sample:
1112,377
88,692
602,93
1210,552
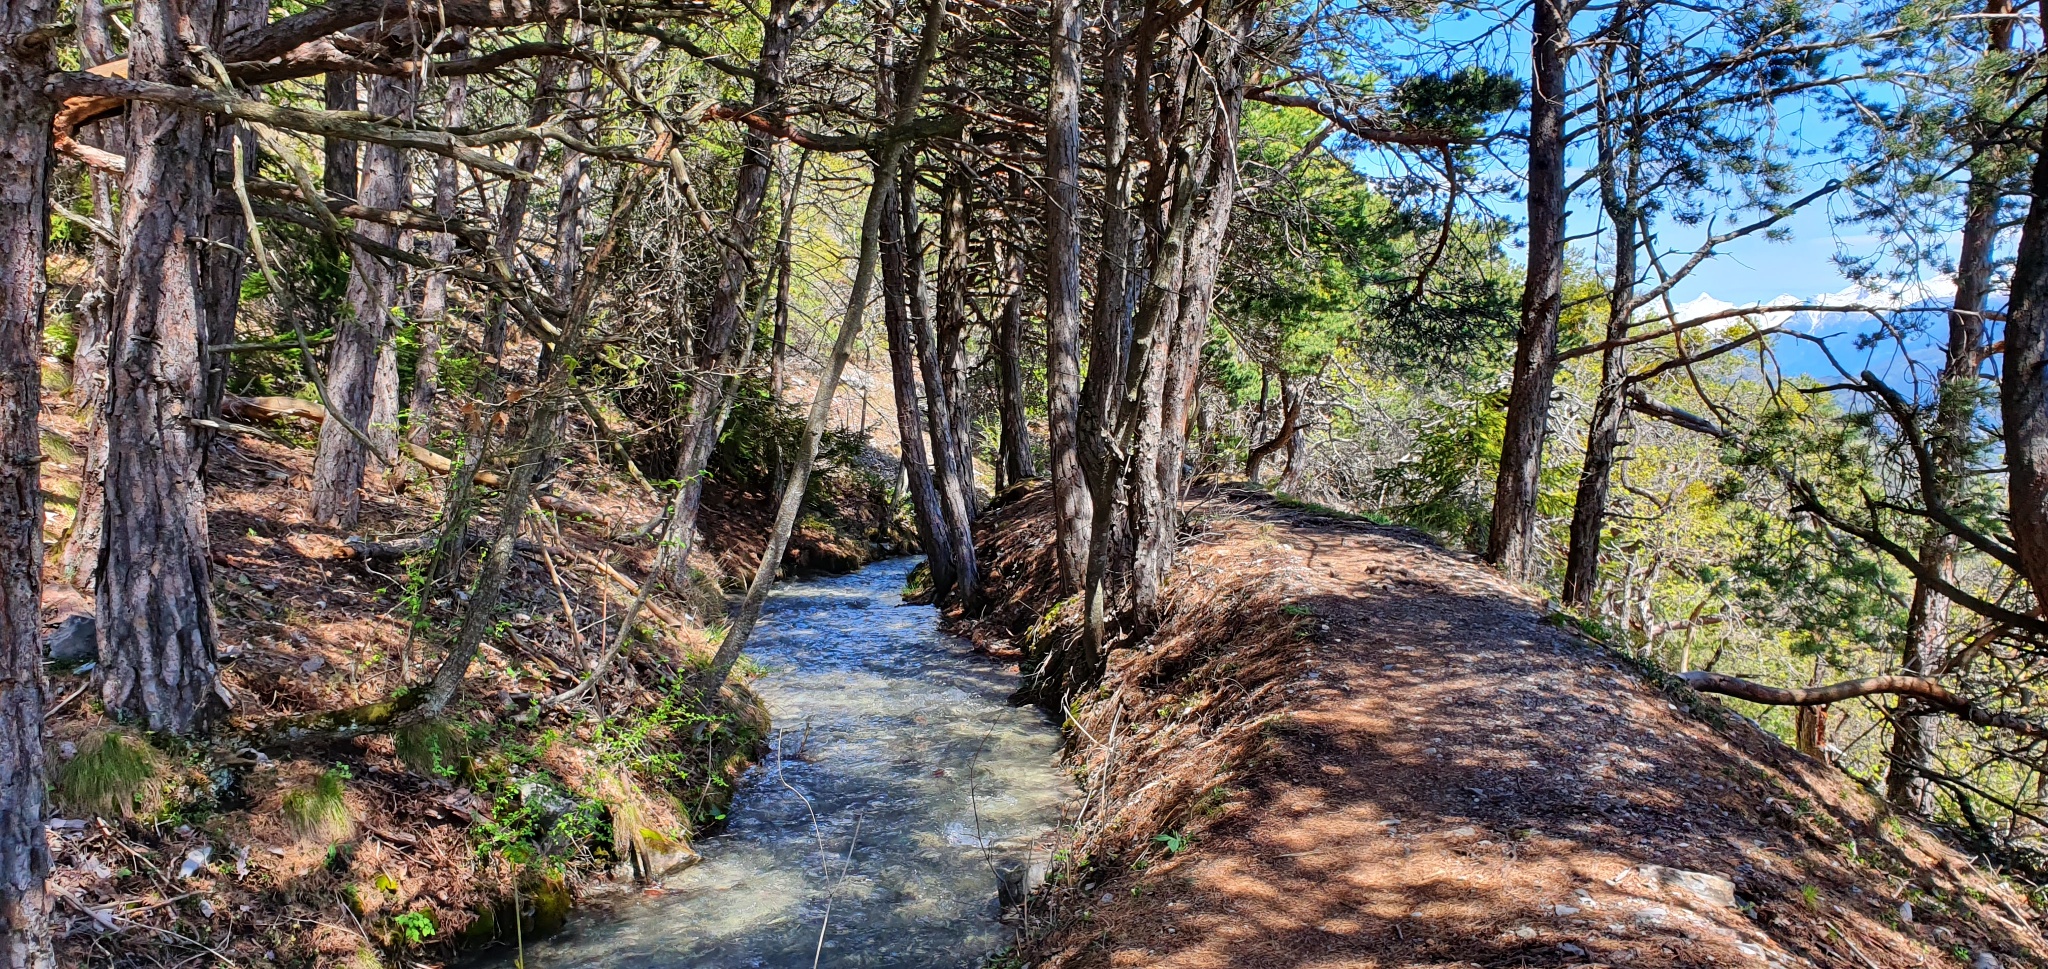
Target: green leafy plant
415,927
1173,841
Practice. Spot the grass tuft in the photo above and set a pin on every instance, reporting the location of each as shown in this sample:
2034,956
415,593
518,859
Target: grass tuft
319,813
114,774
433,750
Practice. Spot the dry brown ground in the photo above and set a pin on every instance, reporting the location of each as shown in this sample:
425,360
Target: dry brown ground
1382,755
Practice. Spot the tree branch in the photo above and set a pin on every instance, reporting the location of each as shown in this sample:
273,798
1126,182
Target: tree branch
1921,688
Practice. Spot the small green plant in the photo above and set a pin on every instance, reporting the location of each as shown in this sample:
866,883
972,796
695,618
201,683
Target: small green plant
114,773
415,927
319,812
1811,895
1173,841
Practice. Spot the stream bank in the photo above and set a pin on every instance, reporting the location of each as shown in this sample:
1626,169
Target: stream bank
404,848
1346,746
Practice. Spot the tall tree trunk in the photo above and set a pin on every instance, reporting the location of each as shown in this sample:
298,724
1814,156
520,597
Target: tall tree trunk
512,215
2023,394
156,625
910,90
1954,439
96,309
716,352
954,283
426,375
338,179
1009,346
934,526
25,117
1511,543
222,261
954,476
362,372
1073,508
1109,346
785,248
1173,316
1603,434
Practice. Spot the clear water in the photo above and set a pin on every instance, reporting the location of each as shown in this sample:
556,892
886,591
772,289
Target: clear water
917,781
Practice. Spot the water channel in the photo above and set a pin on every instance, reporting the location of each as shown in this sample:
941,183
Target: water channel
904,784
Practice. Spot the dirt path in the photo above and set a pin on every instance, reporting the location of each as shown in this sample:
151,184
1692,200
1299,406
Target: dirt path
1426,773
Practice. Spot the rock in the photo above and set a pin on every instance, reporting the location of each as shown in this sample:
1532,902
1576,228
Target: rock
1524,932
1563,910
1985,960
1906,912
659,856
74,641
1016,880
549,802
1711,889
195,860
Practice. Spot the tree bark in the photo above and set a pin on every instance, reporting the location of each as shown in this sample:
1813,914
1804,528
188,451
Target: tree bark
341,173
1071,502
362,371
1512,539
934,526
156,624
25,117
1960,394
222,261
953,474
785,248
1619,152
2023,395
1290,419
426,375
1173,316
1009,346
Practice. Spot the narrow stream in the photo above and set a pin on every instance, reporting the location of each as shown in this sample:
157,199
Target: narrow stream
913,760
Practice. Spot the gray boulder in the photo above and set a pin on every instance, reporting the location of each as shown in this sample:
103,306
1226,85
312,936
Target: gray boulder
74,641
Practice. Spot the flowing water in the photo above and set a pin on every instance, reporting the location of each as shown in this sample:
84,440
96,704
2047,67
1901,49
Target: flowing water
905,783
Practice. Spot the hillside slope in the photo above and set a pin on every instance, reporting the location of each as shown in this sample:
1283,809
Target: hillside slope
1348,747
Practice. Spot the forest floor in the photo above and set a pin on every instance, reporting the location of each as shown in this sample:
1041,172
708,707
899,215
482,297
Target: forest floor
1346,746
234,851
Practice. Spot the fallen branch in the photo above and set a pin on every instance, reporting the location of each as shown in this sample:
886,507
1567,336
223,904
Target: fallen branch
1921,688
